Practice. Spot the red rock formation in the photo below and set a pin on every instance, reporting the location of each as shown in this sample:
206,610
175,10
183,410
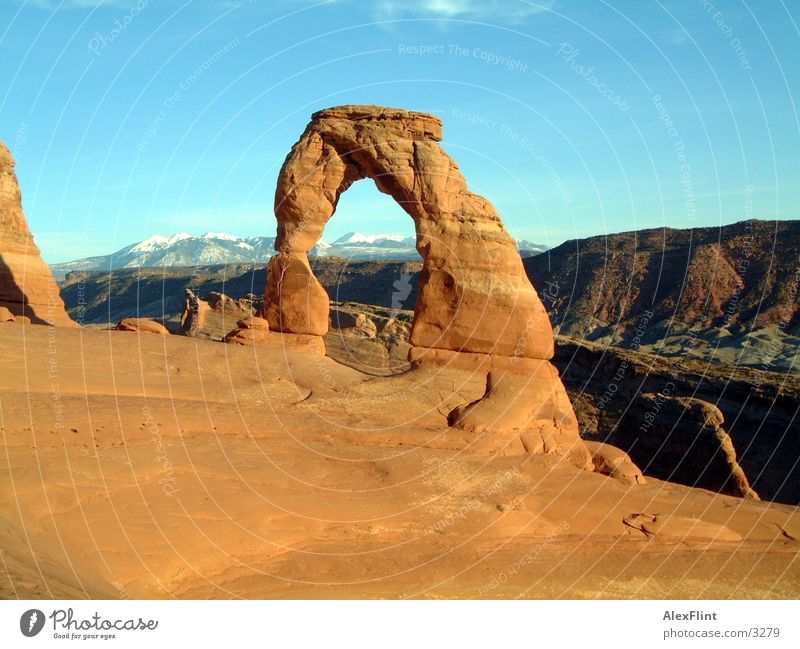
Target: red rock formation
474,300
762,433
143,325
474,295
27,287
195,312
682,439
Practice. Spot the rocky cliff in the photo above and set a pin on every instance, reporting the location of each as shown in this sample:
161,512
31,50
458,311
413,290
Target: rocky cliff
27,287
759,410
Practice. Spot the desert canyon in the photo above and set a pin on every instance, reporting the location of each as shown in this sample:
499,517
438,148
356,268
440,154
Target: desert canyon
259,453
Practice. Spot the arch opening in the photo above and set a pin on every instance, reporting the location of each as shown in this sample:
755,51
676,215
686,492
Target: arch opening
370,270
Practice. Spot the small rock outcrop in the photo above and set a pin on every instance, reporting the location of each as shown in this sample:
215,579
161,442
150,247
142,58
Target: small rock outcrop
195,312
682,439
474,300
614,462
370,338
253,322
360,322
249,331
143,325
27,286
254,331
212,318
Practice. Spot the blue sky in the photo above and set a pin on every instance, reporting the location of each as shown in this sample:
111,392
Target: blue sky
130,118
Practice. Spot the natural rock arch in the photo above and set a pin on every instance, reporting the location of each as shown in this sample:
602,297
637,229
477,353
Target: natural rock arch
475,309
474,295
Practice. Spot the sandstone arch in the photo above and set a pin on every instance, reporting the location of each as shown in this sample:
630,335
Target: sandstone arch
474,294
476,307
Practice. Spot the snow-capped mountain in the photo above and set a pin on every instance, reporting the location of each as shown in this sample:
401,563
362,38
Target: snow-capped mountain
221,248
355,245
395,246
358,238
178,250
529,249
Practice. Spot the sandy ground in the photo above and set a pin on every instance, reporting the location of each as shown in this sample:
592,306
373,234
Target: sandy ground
144,466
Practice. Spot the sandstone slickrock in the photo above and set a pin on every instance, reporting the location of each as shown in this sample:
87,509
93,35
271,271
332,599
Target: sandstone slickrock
681,439
474,297
335,469
27,287
144,325
534,405
249,337
680,529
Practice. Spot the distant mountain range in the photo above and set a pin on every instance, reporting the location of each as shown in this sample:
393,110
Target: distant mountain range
715,278
219,248
729,292
177,250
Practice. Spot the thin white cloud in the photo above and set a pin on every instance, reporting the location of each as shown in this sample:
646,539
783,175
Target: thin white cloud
674,36
77,4
489,10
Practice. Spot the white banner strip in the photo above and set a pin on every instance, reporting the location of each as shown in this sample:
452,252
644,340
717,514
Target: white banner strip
399,624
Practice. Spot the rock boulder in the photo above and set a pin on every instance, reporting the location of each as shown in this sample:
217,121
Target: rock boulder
144,325
614,462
